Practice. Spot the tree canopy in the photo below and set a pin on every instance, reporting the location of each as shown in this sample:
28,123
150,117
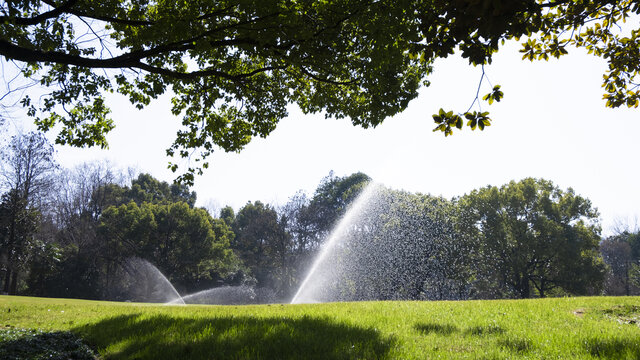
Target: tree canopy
263,245
532,234
186,243
26,169
621,253
233,66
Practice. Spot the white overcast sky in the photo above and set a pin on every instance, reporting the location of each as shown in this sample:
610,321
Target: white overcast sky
552,124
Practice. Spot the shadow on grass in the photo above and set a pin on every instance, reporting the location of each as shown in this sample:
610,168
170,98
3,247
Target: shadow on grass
442,329
509,344
448,329
485,330
518,346
613,348
234,337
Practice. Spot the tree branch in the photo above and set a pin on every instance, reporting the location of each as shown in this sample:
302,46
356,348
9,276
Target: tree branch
12,51
202,73
132,60
324,80
57,11
477,98
554,3
104,18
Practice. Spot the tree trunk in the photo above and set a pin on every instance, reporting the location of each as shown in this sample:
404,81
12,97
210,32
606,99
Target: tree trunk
626,280
524,288
7,280
106,292
14,283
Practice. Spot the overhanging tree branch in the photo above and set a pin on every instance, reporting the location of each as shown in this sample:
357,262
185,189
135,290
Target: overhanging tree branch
132,60
110,19
57,11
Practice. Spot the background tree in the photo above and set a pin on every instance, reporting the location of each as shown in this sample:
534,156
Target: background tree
81,195
100,224
397,245
264,246
27,166
191,247
621,253
188,246
18,226
332,198
405,246
228,215
300,224
125,231
617,255
146,188
535,238
309,221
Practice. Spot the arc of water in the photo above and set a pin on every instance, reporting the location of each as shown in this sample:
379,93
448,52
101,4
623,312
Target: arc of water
178,301
333,238
163,279
219,295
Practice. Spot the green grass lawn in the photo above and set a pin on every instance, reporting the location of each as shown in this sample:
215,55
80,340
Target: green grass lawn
561,328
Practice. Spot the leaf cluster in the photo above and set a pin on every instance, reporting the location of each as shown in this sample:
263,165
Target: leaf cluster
601,28
233,66
447,120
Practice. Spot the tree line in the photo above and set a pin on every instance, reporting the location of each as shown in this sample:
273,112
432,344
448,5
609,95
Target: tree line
72,233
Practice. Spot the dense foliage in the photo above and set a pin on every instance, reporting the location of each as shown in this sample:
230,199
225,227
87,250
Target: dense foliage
621,252
27,164
91,232
534,236
233,66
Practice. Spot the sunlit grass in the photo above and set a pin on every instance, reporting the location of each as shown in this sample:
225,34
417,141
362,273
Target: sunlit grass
562,328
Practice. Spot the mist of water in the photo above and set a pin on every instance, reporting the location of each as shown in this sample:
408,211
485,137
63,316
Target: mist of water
307,291
224,295
389,245
148,284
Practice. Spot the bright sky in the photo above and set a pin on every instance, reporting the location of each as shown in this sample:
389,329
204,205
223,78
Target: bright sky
552,123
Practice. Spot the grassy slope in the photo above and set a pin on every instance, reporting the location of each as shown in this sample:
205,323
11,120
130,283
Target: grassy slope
563,328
